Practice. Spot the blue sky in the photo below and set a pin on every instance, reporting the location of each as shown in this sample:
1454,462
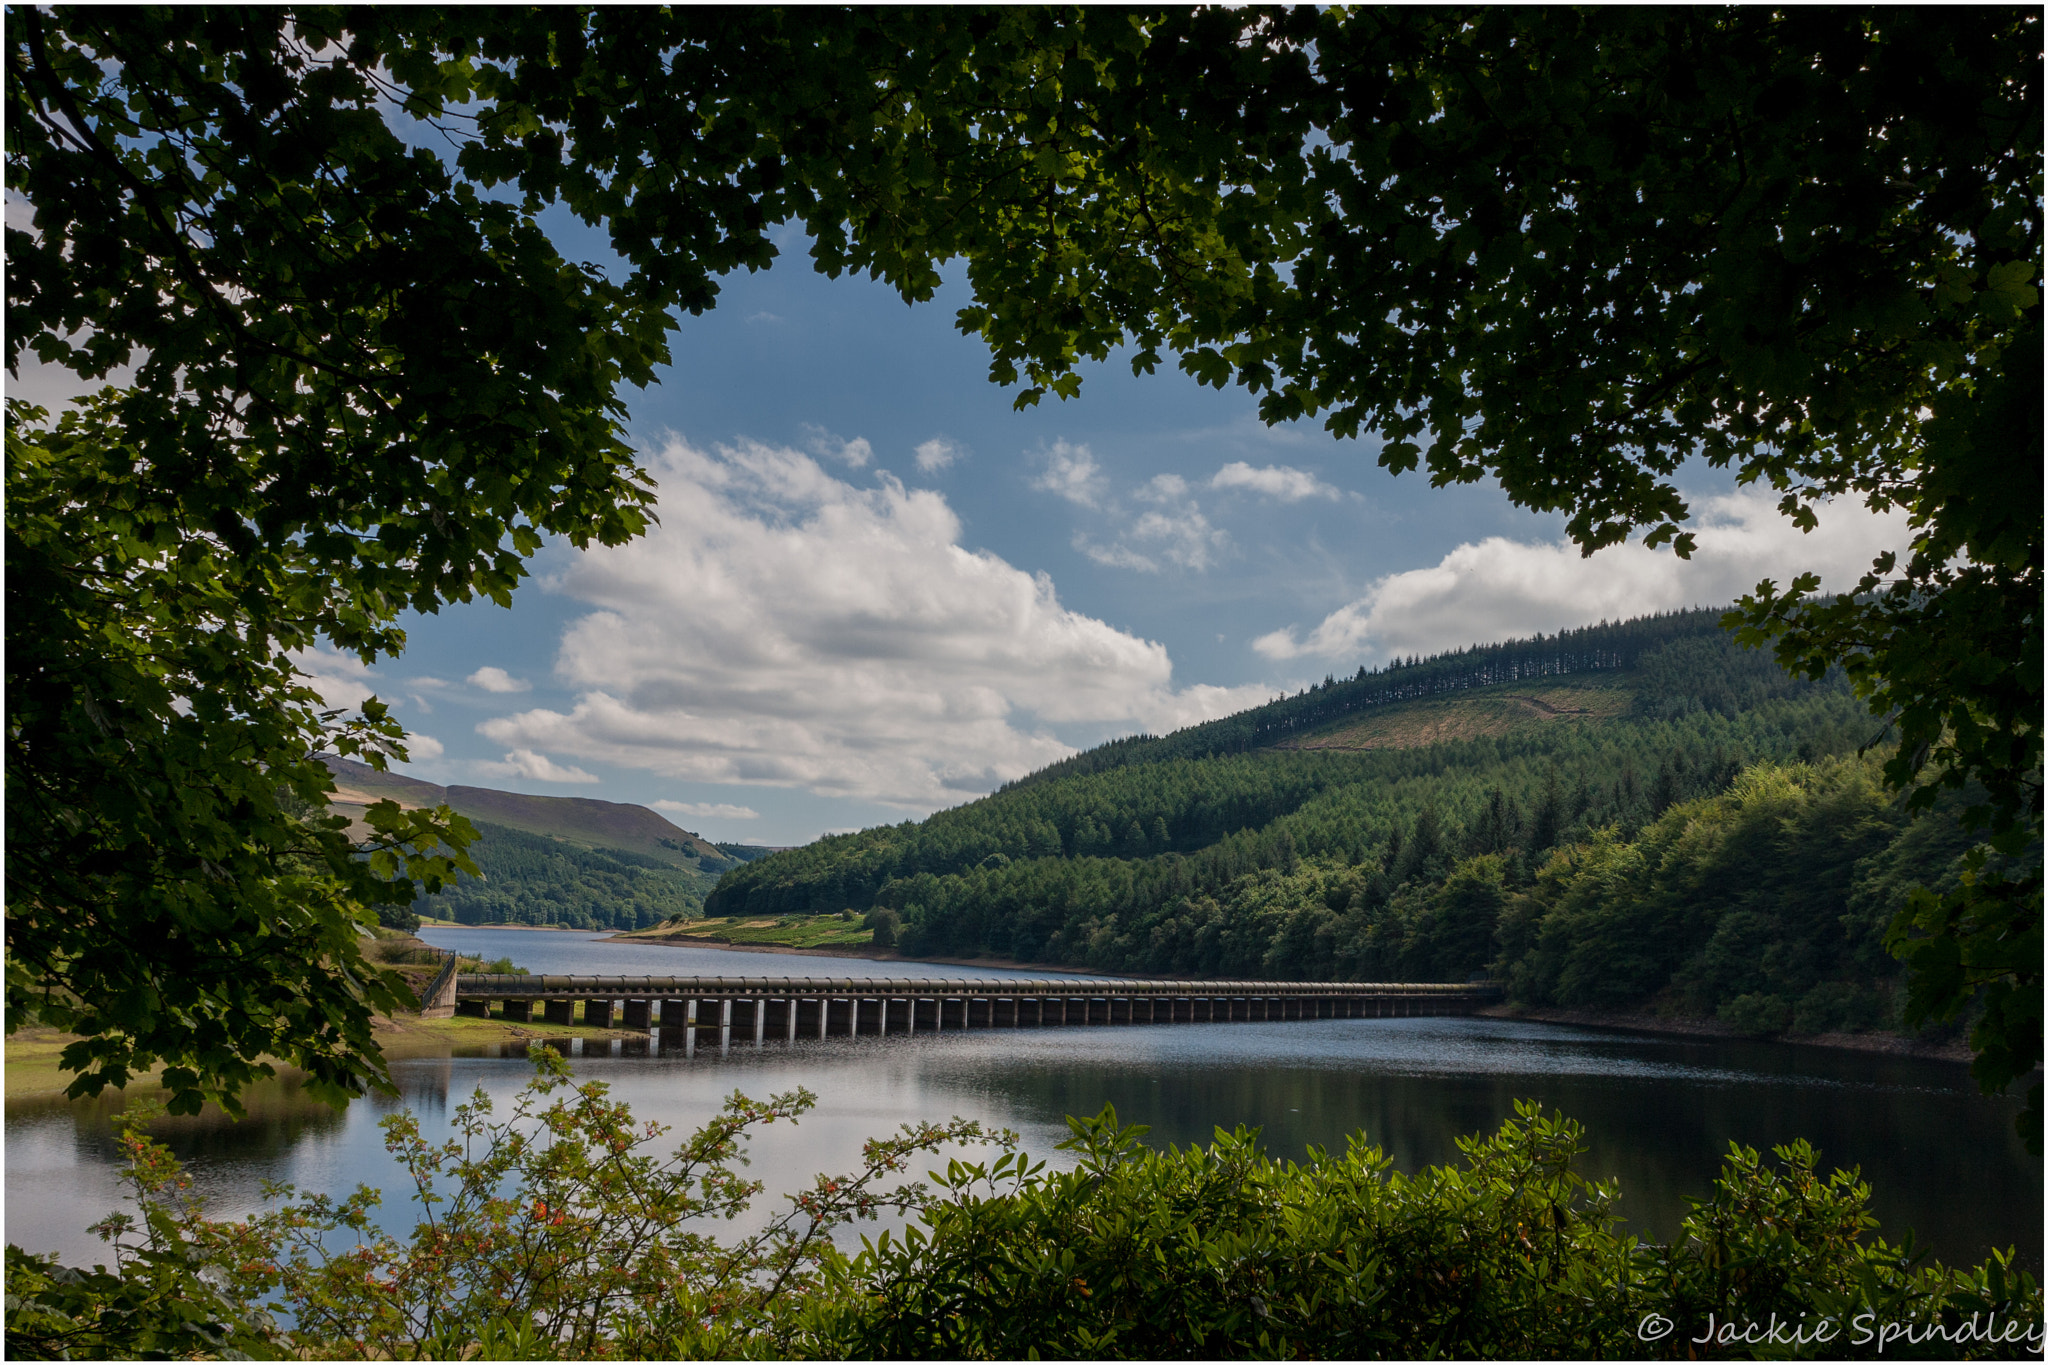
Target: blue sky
878,589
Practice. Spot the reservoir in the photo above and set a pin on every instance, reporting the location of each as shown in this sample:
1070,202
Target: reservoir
1659,1111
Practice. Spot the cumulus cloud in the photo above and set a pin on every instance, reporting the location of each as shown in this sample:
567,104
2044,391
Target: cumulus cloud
1498,589
1176,525
493,679
709,810
1279,481
343,681
783,627
937,454
1173,530
1071,473
534,766
854,454
1184,536
421,748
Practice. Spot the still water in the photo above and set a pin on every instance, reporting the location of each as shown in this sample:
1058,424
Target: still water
1659,1111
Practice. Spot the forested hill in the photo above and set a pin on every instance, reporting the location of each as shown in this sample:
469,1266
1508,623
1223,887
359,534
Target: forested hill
535,879
1638,814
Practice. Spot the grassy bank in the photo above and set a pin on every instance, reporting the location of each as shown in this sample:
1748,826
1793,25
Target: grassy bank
33,1073
787,931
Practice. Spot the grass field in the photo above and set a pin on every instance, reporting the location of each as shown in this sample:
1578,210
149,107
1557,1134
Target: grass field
795,931
33,1073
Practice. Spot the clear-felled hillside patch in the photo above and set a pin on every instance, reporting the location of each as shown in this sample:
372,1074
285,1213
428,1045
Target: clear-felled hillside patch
1484,713
788,931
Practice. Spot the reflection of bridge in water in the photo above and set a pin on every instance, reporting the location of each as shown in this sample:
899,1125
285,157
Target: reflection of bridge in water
730,1009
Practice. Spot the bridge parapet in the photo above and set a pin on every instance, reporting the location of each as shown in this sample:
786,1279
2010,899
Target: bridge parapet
496,986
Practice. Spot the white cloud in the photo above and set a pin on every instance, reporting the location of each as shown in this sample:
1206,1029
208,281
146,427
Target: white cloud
343,681
535,767
1274,481
1071,472
854,454
938,453
1115,556
709,810
494,679
421,748
1174,530
1499,589
1184,535
783,627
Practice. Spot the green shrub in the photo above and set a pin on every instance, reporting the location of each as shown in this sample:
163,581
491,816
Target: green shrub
1838,1005
1757,1014
561,1230
1219,1251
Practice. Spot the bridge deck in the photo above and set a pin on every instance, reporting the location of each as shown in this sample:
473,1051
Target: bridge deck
792,1007
492,986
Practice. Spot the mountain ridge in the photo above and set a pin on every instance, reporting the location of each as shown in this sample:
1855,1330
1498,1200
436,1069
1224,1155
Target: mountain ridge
574,819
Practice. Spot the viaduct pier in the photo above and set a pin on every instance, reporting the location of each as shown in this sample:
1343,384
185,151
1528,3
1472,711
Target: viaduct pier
725,1010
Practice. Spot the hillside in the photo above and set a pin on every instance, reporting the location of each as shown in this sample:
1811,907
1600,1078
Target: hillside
576,819
534,879
1652,649
1630,717
1635,815
564,860
1503,709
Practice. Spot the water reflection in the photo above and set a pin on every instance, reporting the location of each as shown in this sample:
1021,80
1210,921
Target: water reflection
1660,1112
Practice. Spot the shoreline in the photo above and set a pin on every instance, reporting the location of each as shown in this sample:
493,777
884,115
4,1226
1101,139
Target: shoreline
523,928
1889,1044
32,1073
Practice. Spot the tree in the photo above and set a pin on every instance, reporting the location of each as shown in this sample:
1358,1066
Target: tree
1565,250
1571,251
364,380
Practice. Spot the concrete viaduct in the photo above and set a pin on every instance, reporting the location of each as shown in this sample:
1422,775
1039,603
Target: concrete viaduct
733,1009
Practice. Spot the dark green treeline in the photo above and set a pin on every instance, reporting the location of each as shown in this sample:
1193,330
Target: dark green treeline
1719,848
532,879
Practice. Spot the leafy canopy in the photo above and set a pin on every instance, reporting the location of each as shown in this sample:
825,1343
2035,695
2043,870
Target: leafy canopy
563,1229
364,380
1565,250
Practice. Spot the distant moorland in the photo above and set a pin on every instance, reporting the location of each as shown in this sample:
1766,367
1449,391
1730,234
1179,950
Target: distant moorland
551,859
